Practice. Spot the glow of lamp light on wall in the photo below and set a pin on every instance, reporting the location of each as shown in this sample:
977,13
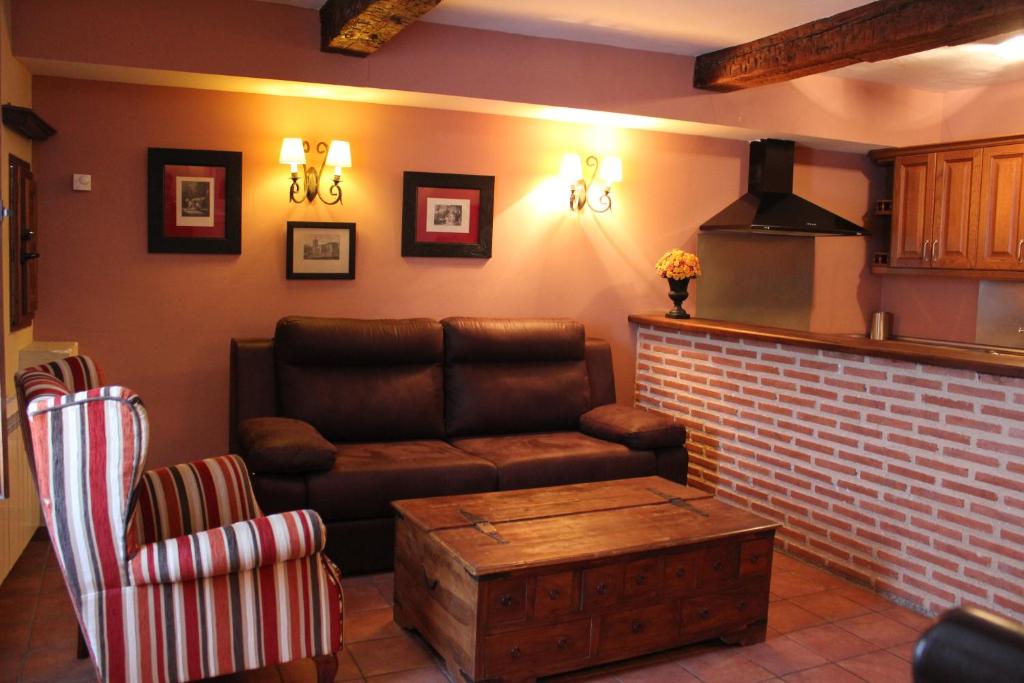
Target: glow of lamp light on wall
293,153
608,170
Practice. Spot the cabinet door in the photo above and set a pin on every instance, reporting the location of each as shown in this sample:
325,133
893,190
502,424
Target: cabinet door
955,222
1002,202
912,210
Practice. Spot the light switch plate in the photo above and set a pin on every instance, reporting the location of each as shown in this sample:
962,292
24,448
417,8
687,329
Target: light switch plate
81,182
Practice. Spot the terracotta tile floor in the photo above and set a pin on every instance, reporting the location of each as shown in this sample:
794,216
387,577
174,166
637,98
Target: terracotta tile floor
820,628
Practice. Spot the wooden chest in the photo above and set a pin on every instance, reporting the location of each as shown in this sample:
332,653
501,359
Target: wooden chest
512,585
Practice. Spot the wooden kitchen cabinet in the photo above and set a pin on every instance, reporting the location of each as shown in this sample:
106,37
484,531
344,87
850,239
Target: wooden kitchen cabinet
1001,237
912,210
957,209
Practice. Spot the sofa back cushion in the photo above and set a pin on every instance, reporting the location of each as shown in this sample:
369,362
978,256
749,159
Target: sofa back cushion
361,380
510,376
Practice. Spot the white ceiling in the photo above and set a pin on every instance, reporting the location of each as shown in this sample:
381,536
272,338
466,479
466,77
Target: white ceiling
691,27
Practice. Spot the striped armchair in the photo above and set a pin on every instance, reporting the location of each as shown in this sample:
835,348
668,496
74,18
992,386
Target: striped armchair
174,573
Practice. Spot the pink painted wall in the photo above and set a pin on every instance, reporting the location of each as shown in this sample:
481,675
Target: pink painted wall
161,323
264,40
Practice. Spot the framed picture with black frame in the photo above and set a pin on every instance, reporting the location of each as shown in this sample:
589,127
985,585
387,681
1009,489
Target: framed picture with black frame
194,201
320,251
447,214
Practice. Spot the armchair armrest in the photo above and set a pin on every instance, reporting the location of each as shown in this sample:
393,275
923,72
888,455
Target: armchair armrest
229,549
632,427
970,645
194,496
280,445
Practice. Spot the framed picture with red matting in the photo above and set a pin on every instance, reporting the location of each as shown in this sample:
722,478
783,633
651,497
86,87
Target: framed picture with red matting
195,201
447,214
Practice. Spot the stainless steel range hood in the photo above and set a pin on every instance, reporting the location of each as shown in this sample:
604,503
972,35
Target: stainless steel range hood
770,205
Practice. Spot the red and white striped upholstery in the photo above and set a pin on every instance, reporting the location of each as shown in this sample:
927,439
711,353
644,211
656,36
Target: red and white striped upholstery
174,573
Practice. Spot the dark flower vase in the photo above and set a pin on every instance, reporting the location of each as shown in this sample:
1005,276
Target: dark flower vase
677,292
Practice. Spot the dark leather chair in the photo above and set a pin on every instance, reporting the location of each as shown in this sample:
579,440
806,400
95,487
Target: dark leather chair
970,645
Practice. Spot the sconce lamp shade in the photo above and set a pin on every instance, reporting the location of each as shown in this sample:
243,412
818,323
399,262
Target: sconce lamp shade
339,154
292,152
611,170
572,168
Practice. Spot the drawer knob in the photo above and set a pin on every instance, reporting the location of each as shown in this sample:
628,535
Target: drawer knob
553,593
704,614
505,600
718,566
637,627
563,643
602,588
641,579
515,652
680,573
742,606
754,559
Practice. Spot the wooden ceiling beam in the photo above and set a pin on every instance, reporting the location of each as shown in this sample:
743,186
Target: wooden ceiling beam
360,27
870,33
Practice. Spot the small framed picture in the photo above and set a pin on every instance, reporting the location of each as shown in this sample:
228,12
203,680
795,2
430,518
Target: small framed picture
320,251
195,201
447,214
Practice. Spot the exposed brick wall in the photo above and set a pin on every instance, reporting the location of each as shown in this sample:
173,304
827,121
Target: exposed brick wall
907,477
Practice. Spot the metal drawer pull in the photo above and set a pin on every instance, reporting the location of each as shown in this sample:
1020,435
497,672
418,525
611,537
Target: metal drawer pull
1020,246
718,566
637,627
742,606
924,250
935,251
754,559
563,643
515,652
704,614
680,572
641,579
602,588
505,600
553,593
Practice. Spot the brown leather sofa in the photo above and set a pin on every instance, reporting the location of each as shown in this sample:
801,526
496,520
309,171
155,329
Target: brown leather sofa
344,416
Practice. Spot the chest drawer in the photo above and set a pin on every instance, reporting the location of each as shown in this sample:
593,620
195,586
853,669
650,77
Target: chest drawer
642,578
731,610
638,630
756,557
554,595
504,601
602,586
536,649
680,574
719,566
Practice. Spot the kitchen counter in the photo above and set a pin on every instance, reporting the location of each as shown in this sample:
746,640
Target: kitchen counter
990,362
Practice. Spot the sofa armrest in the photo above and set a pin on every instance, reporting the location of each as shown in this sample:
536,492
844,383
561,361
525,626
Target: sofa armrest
229,549
632,427
281,445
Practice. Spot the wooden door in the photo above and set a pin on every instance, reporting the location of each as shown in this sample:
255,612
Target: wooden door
955,221
912,210
1000,235
24,244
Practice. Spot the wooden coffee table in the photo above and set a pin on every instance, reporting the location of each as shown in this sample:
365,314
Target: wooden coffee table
512,585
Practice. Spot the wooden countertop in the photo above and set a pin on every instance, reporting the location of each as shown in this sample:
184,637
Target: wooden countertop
1009,365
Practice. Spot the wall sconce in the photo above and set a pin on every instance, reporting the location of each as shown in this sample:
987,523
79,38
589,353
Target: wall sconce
293,153
609,170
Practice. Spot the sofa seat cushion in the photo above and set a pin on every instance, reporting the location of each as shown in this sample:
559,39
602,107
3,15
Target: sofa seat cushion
632,427
366,477
554,458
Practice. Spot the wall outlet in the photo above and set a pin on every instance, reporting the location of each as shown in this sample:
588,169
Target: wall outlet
80,182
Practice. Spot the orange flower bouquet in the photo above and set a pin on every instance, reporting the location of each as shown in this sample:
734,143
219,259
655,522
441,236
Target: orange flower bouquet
678,266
